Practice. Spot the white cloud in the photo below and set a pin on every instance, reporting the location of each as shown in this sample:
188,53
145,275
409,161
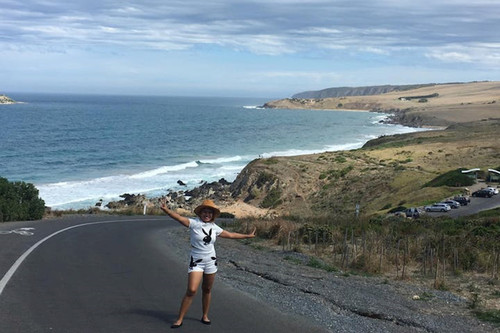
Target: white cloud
309,43
265,27
484,54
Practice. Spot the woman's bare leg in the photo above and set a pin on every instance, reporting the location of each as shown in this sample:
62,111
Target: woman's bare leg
206,287
194,280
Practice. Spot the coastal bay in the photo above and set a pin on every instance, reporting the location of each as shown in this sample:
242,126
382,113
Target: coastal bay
79,149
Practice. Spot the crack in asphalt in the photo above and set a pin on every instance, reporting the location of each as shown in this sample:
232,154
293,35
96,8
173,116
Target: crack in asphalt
366,314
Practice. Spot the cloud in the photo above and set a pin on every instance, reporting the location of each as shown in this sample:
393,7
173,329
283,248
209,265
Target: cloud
487,54
278,39
261,27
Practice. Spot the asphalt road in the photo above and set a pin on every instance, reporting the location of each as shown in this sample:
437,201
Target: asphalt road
112,274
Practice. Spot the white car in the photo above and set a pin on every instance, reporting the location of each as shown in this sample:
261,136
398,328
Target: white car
438,207
492,189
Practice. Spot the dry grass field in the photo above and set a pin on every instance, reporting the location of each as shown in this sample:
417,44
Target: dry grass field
463,102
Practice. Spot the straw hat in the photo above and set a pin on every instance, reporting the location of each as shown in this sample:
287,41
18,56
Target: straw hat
208,204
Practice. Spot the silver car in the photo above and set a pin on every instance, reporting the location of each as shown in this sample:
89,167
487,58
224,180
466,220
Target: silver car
452,203
438,207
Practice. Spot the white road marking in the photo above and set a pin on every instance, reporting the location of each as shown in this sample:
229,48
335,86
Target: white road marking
20,231
19,261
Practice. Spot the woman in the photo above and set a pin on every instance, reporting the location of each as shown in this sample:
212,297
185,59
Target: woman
203,262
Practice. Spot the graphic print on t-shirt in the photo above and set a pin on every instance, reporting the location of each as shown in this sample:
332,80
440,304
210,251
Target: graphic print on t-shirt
208,238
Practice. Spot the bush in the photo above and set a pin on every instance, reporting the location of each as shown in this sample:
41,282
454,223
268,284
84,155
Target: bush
397,209
264,178
454,178
272,199
19,201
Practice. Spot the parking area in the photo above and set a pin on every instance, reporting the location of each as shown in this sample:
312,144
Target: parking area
475,205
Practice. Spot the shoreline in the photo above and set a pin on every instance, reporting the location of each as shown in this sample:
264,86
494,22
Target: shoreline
237,208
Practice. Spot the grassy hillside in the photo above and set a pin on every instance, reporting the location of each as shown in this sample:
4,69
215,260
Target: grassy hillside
387,172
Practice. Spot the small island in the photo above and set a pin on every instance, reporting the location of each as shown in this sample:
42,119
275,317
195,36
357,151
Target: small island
6,100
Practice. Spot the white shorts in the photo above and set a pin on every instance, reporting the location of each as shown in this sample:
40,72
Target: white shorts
205,265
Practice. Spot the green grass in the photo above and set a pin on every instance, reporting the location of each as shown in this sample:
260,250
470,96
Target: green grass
491,316
294,260
315,263
451,178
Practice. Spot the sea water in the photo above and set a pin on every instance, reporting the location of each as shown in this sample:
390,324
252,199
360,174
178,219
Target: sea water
79,149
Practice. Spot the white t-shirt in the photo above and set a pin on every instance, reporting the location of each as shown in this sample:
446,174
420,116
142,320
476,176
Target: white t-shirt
203,237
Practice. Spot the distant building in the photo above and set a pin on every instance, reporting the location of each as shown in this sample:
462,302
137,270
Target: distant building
471,172
493,175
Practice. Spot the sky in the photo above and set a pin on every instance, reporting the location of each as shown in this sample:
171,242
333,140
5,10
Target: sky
240,48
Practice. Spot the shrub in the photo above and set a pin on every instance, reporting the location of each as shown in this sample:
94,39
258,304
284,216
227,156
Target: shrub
226,215
340,159
271,161
451,178
19,201
264,178
272,199
397,209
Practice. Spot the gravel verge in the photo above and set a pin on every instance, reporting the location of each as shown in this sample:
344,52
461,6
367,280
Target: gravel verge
335,301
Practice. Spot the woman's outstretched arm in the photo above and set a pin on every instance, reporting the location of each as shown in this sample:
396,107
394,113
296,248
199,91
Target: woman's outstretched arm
236,235
179,218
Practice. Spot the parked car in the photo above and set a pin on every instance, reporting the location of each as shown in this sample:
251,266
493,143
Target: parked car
414,212
452,203
462,199
492,189
484,193
438,207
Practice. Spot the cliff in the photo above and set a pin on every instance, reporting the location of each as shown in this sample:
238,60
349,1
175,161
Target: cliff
358,91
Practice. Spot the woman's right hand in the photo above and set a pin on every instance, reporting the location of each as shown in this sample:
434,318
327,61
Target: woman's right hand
181,219
163,204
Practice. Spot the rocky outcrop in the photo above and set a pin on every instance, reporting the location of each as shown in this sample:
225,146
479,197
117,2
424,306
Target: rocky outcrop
6,100
129,200
218,191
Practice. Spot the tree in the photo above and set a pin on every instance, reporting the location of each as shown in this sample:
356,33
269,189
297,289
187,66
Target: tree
19,201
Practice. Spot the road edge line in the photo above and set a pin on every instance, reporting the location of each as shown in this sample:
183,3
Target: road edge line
12,270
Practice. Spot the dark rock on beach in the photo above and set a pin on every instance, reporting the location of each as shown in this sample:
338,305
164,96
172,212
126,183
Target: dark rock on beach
218,191
129,200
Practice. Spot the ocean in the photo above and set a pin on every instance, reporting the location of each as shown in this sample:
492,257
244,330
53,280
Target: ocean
79,149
